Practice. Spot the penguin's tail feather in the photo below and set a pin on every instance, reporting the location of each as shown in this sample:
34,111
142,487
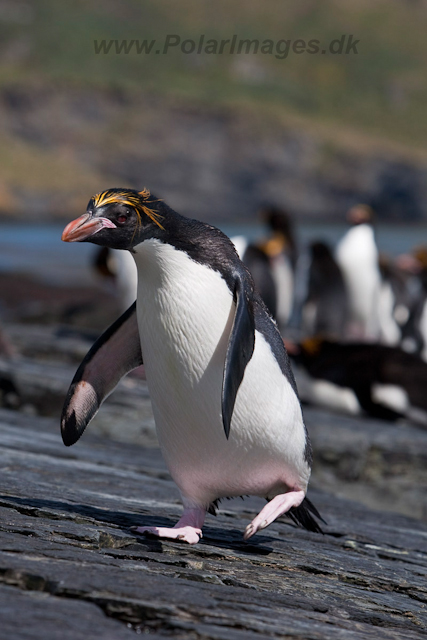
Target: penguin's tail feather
302,515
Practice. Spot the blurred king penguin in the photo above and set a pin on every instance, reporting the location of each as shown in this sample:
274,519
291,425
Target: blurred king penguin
357,257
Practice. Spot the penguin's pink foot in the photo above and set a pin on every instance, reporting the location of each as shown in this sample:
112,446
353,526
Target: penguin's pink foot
188,529
186,534
275,508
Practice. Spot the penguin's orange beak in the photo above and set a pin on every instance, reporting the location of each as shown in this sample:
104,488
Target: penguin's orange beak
82,228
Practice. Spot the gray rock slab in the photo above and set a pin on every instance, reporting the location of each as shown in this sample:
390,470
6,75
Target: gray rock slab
43,384
382,464
25,613
51,341
70,566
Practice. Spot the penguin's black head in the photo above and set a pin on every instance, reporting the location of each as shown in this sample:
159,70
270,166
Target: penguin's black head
117,218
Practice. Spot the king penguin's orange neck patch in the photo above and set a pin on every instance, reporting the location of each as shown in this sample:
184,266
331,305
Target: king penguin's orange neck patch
312,346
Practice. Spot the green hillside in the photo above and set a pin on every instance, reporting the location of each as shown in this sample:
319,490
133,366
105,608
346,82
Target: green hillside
382,90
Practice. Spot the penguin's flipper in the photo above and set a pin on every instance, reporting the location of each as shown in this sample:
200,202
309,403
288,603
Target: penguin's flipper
240,347
113,355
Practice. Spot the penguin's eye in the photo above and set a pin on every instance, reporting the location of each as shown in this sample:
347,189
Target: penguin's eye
122,218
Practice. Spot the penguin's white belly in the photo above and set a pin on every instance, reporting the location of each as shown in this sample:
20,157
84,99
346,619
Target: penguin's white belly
326,394
389,329
363,284
357,256
284,279
185,315
127,278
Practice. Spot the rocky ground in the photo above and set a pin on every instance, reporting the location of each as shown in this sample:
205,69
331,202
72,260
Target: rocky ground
70,565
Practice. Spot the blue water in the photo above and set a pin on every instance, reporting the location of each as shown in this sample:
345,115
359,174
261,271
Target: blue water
38,250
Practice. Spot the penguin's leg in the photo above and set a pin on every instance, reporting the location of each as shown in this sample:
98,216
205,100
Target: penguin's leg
189,527
275,508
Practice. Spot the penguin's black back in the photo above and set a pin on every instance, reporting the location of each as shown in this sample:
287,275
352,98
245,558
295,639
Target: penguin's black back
327,290
258,264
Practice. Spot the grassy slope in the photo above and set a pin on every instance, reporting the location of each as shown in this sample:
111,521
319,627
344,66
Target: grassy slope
380,93
380,90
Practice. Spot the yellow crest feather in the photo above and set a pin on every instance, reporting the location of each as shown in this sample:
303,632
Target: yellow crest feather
127,197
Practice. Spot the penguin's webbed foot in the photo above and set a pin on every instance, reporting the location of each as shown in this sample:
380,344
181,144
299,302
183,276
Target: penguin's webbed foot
275,508
188,529
188,534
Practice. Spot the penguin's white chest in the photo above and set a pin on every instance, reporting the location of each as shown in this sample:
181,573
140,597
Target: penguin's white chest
357,256
185,315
